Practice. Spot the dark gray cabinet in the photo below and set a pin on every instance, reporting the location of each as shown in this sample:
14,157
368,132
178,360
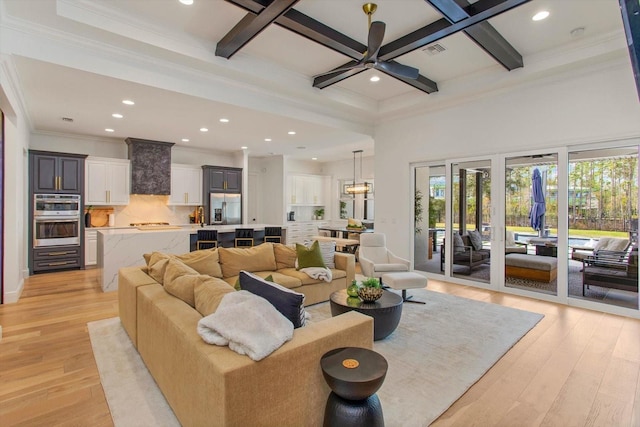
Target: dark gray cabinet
56,258
222,180
53,173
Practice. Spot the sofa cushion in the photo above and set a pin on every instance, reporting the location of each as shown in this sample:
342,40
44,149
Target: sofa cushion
204,261
285,280
157,265
305,279
180,280
208,294
286,301
257,258
309,257
285,256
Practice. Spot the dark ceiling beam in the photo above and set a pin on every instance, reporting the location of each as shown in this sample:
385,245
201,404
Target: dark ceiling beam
478,12
309,28
483,34
250,26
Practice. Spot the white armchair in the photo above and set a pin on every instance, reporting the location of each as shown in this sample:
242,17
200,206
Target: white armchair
375,259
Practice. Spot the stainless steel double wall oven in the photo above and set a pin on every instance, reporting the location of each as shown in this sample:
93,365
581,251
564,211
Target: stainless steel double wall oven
56,220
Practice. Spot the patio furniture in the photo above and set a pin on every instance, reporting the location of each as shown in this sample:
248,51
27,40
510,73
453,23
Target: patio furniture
512,246
580,253
466,255
611,269
531,267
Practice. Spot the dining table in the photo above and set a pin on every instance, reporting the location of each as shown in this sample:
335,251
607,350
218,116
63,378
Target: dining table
343,232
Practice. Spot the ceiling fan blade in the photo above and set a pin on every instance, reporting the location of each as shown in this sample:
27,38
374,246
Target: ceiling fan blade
340,70
376,35
398,69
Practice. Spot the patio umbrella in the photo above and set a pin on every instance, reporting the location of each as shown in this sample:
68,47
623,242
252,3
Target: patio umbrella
538,208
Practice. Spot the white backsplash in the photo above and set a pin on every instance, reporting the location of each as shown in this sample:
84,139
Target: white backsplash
144,208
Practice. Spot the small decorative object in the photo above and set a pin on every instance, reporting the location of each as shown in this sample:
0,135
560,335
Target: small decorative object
370,290
350,363
354,302
319,213
352,290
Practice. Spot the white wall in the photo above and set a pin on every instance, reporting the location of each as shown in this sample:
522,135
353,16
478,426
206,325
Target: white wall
16,139
269,171
595,104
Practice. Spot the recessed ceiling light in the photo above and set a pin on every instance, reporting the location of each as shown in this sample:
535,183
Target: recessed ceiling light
128,102
314,158
374,79
224,120
109,130
291,132
540,15
185,139
186,2
244,147
117,116
267,139
204,130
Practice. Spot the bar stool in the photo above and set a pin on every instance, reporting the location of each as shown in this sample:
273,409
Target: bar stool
207,239
273,234
244,237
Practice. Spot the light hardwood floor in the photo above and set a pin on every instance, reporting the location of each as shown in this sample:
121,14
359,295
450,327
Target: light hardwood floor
575,368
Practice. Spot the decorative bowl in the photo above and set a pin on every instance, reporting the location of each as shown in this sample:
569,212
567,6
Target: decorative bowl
368,294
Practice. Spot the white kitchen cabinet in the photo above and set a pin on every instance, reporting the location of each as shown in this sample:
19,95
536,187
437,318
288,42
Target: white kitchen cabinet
301,231
306,190
90,247
186,185
106,181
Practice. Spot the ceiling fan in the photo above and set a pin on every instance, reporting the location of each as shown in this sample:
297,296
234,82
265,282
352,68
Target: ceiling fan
370,58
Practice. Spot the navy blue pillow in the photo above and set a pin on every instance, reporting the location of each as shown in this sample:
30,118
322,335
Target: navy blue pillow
286,301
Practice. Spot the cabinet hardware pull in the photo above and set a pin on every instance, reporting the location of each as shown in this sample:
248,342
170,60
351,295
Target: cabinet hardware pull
108,196
58,263
58,253
186,197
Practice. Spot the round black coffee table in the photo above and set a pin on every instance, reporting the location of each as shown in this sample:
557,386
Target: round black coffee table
354,375
386,311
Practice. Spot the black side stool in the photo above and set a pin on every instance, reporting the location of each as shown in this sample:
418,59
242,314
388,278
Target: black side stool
207,239
273,234
354,374
244,237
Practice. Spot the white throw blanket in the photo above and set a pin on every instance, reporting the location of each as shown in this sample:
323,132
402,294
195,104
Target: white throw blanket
248,324
318,273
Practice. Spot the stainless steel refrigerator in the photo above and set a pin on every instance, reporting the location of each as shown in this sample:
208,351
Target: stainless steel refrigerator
226,208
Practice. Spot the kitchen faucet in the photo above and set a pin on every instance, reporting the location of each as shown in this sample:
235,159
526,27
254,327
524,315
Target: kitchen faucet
201,216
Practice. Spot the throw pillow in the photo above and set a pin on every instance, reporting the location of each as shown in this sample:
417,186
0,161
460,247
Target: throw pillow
180,280
476,239
204,261
237,287
458,244
328,251
257,258
285,256
157,265
286,301
309,257
208,294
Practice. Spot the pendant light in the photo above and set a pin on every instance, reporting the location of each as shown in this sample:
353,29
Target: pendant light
358,188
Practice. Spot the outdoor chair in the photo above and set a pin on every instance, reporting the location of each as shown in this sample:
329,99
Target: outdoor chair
465,253
580,253
511,246
611,269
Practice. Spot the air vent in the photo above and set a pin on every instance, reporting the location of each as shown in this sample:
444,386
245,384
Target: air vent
67,119
434,49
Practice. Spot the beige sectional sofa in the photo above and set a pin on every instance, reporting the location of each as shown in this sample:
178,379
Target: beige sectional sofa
207,385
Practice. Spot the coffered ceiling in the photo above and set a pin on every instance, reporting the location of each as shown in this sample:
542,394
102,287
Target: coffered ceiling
80,58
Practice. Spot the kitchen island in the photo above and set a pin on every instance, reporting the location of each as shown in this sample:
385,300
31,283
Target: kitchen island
124,247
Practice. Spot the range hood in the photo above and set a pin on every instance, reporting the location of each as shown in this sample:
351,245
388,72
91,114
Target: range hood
150,166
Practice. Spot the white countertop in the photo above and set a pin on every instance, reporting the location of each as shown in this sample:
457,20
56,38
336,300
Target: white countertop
190,229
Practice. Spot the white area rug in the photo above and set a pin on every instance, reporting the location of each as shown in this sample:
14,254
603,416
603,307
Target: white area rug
439,350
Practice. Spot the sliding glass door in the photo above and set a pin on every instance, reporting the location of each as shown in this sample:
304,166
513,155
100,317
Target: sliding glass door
531,223
429,217
469,254
603,226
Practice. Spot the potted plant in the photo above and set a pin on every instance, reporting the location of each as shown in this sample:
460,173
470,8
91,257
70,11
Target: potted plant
370,289
319,213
